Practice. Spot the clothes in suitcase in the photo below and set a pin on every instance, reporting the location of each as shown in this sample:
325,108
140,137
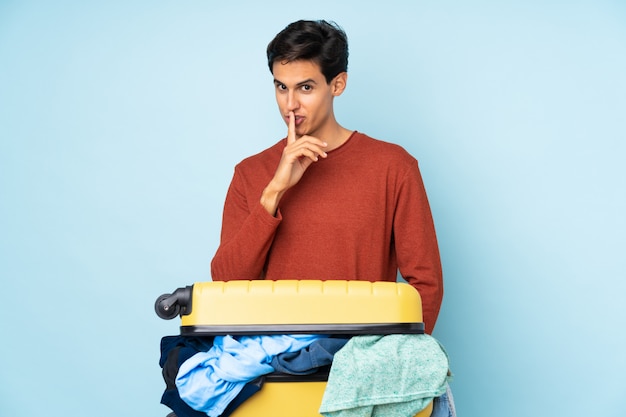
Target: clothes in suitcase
333,309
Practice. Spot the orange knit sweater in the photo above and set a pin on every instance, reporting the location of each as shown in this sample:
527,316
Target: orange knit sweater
359,214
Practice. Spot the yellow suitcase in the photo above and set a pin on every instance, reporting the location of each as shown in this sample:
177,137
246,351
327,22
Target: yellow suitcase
293,307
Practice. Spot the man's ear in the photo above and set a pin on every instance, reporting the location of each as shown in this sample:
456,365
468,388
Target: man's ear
339,83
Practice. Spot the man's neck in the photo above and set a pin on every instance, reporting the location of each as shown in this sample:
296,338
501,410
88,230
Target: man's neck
335,136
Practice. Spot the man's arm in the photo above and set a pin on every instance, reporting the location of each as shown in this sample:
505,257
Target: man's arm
248,230
247,234
416,245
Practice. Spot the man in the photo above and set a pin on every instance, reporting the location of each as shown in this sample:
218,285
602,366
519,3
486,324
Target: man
326,202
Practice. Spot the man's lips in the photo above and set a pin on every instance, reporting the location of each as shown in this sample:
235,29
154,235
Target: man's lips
298,119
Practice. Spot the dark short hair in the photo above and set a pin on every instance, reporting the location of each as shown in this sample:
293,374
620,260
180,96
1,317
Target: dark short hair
313,40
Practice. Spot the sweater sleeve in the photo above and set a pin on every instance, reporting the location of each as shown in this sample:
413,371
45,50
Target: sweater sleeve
416,245
248,231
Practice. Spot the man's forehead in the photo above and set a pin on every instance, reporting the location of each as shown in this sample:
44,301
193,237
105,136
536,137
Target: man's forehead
297,71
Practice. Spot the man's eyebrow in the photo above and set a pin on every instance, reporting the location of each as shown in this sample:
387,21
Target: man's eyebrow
308,81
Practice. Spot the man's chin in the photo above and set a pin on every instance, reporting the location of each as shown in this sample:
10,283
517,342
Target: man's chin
300,132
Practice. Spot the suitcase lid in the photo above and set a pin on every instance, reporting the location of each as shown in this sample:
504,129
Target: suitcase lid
303,306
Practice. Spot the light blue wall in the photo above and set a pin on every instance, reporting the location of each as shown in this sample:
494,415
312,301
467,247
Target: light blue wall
121,121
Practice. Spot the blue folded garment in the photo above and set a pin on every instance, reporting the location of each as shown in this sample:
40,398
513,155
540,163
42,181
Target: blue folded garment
209,381
308,360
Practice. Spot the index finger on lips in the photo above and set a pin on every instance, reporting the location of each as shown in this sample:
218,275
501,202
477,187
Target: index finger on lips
291,130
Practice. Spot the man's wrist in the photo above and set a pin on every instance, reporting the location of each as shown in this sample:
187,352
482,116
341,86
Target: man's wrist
270,198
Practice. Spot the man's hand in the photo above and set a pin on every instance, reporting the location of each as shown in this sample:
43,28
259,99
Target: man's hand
297,156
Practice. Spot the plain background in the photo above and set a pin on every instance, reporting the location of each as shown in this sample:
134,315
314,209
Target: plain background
121,122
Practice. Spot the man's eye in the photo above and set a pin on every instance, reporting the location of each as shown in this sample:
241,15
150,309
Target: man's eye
307,87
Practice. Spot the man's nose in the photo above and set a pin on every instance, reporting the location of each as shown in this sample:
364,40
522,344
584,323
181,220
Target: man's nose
292,101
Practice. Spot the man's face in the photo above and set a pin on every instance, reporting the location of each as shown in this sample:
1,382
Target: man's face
301,87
